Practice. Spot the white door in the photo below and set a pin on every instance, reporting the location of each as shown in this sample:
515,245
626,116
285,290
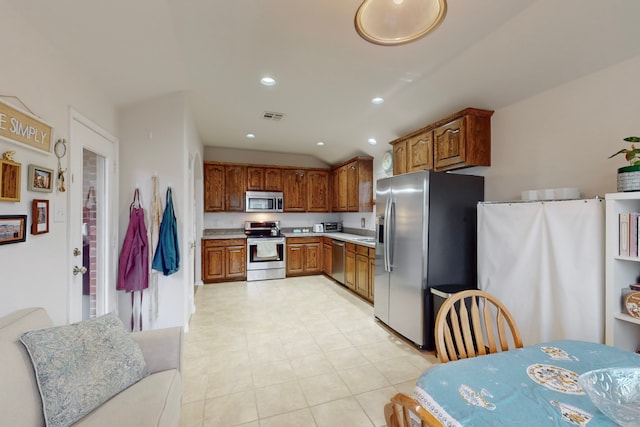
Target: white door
93,219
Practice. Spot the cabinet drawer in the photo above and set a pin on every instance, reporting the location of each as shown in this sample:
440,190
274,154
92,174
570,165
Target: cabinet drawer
212,243
362,250
351,247
302,240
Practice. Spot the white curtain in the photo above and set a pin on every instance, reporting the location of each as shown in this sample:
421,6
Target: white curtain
545,262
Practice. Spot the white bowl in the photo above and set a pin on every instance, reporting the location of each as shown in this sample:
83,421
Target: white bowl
615,392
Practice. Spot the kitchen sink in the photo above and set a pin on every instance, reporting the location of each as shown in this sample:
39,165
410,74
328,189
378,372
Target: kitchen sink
365,239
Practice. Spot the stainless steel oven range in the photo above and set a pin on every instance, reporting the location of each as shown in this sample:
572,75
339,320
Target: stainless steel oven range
265,250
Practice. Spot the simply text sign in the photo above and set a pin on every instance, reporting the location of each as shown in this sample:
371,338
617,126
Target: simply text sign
18,126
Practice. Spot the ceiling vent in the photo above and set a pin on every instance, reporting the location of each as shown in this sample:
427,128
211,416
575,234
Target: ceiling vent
273,116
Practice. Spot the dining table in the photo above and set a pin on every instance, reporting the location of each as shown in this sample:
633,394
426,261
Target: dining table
532,386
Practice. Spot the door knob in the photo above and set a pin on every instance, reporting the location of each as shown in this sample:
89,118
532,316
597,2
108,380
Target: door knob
80,270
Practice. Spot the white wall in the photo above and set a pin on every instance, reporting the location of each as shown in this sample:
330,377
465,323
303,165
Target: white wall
158,137
35,273
563,137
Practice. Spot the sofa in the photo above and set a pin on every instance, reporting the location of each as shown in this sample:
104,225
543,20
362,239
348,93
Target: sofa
154,400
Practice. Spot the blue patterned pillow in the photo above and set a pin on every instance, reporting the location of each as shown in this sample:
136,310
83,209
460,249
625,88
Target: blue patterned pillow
80,366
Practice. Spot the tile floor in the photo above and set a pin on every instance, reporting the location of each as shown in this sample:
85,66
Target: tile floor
301,352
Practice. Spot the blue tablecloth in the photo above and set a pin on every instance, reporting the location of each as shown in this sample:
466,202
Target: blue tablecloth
532,386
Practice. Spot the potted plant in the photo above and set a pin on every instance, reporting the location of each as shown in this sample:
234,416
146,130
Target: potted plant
629,176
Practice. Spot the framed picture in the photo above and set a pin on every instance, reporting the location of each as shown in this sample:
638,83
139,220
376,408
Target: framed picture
40,216
12,228
40,179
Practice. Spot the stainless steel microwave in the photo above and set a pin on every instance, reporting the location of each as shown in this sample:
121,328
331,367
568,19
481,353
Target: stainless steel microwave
263,201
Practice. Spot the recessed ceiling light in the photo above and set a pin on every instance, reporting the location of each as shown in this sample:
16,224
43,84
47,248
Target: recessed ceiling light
250,136
377,100
372,141
319,143
267,81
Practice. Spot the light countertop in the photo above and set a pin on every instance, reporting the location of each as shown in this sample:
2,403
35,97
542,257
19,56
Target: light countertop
365,240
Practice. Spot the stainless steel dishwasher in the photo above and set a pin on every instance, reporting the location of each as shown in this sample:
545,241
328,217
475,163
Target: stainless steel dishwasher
337,260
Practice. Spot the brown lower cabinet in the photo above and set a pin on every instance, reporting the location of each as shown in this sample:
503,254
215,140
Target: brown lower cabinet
350,266
327,255
224,260
304,256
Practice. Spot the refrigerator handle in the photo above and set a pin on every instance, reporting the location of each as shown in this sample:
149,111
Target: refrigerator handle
391,231
387,235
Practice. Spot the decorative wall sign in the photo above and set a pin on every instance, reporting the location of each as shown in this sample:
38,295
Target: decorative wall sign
40,216
24,128
12,228
40,179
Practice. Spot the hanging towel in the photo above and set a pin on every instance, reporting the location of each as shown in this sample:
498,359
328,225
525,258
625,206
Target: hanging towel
167,256
133,265
266,250
155,218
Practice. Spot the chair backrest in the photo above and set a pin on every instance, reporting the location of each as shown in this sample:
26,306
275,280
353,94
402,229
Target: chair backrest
474,323
404,411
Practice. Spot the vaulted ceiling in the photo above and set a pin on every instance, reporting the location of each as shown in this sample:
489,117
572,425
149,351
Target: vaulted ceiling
486,54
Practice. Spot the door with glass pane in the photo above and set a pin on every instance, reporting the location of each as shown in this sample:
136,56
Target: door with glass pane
93,219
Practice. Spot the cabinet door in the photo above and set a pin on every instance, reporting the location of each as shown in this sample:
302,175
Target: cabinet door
400,158
449,144
326,258
255,178
295,259
362,274
312,258
214,200
212,264
272,179
295,191
235,186
420,152
350,266
372,273
353,187
341,189
318,191
236,262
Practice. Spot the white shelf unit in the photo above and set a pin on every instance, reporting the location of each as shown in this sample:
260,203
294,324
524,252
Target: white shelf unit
621,330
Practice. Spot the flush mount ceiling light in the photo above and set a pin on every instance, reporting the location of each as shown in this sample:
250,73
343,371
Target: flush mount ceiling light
320,143
372,141
377,100
250,136
394,22
267,81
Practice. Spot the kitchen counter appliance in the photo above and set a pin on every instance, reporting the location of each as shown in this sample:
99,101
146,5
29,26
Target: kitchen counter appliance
425,236
332,226
265,250
337,260
263,201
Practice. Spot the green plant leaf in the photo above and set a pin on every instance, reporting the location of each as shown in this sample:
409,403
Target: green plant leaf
632,139
624,150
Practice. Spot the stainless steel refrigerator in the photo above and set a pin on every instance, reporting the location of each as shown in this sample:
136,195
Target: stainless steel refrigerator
425,236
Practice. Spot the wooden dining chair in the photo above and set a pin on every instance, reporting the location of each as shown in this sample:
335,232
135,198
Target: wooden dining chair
404,411
474,323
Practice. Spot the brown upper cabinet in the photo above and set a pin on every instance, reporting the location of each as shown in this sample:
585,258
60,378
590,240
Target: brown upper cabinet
318,191
235,186
346,188
458,141
264,179
294,185
353,185
214,200
399,156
